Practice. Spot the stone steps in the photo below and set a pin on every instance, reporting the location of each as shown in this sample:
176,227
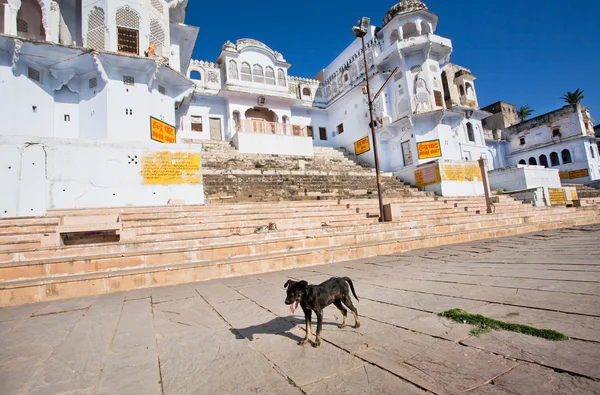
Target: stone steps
51,280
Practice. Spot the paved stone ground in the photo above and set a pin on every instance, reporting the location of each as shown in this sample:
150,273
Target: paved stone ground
236,336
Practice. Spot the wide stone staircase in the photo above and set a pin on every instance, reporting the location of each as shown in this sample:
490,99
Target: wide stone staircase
179,244
331,174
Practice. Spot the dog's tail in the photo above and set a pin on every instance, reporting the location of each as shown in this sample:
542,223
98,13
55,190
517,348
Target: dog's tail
351,287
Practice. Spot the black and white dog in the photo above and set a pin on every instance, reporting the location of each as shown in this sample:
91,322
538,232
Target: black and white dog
317,297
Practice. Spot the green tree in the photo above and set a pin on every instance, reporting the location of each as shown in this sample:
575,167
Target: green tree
524,112
573,97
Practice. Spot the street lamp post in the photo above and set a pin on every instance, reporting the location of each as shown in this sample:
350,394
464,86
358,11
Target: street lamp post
361,31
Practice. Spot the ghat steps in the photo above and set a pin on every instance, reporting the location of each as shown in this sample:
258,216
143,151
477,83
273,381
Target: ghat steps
330,174
178,244
585,191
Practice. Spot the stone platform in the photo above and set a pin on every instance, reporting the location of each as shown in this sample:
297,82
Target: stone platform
235,336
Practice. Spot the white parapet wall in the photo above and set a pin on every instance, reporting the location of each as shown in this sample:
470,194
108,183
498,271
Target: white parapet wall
446,178
275,144
524,177
42,173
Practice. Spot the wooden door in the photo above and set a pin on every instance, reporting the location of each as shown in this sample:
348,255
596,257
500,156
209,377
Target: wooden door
215,129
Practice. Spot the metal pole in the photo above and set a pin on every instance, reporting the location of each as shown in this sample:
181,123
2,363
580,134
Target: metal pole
375,152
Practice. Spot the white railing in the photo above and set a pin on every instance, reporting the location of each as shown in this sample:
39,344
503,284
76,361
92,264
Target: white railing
264,127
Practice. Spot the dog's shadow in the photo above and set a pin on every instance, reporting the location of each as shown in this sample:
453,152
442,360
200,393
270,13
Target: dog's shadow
278,327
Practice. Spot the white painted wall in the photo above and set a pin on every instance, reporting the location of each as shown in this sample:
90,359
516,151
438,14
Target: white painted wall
520,177
206,107
64,173
257,143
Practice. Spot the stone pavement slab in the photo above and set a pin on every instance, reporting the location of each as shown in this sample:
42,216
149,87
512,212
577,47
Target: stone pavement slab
236,336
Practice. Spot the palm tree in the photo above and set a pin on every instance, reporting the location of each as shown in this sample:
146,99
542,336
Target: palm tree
573,97
524,112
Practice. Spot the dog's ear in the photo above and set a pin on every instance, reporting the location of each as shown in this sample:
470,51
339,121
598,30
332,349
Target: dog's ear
288,283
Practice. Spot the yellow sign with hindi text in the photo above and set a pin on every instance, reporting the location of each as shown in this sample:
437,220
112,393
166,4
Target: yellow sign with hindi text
171,168
161,131
361,146
557,196
429,149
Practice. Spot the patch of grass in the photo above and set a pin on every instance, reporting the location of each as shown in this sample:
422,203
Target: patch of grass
485,324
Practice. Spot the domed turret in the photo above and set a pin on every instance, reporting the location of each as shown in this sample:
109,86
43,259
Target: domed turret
403,7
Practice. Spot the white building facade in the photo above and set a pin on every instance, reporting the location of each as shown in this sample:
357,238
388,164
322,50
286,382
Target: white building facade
114,79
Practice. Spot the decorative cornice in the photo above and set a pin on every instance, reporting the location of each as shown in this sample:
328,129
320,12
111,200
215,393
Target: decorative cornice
250,43
203,64
304,80
99,67
61,77
16,54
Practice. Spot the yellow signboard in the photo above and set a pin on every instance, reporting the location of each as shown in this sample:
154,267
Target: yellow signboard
427,176
429,149
161,131
453,172
361,146
473,172
171,168
579,173
557,196
564,175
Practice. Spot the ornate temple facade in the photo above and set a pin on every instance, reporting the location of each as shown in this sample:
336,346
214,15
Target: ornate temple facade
118,75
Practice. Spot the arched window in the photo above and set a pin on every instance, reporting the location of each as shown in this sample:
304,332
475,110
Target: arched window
532,161
280,77
592,151
246,72
257,73
522,162
269,75
425,28
195,75
470,91
157,36
128,30
395,36
346,78
96,30
566,156
30,23
237,121
233,70
543,161
409,30
306,92
470,132
554,159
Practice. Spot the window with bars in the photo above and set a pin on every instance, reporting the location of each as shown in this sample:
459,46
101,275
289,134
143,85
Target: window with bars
246,72
281,77
196,124
128,40
162,90
157,4
128,34
257,73
93,82
96,29
128,80
33,74
22,26
157,36
340,128
309,131
270,76
439,102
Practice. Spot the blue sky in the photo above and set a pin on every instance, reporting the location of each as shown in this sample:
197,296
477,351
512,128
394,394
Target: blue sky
523,52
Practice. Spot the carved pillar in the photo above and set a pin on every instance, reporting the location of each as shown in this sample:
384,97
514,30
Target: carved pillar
53,34
10,16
